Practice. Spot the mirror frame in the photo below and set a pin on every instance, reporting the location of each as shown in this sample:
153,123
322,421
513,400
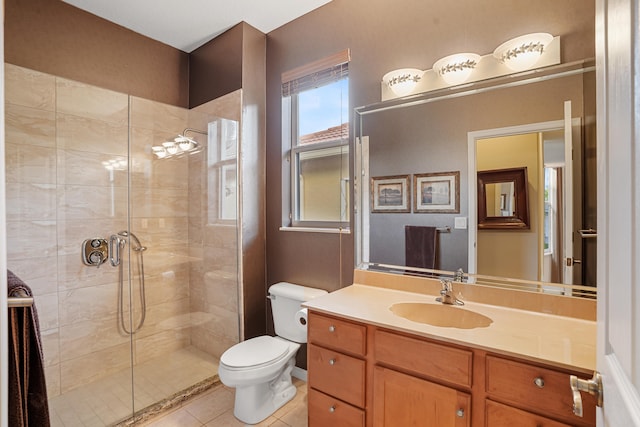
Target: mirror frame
520,219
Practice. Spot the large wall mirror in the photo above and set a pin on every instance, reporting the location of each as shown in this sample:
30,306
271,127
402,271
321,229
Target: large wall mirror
517,122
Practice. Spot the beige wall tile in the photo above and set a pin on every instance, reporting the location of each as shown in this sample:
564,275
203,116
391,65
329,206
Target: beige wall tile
30,163
158,202
72,233
92,102
167,287
93,366
76,202
47,306
73,274
33,240
90,134
228,106
50,347
40,274
30,126
88,303
149,171
156,115
164,317
30,201
160,344
52,377
87,168
86,337
29,88
205,340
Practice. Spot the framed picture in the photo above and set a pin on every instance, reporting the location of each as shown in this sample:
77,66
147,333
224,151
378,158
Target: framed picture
390,194
437,192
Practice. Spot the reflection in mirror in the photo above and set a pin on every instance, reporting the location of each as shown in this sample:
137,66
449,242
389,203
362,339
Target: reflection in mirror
502,199
429,134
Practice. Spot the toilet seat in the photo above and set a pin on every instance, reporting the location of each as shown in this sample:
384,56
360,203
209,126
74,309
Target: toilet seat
254,353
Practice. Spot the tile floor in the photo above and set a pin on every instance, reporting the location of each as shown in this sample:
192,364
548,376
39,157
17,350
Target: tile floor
214,408
109,400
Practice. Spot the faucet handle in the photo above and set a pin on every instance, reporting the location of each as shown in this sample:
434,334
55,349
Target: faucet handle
446,284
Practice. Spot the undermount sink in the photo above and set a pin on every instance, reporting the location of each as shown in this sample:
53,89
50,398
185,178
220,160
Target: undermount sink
447,316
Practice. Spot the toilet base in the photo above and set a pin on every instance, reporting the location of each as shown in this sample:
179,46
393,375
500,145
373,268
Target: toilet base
255,403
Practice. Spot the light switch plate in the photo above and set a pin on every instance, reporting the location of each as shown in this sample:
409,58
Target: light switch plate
460,222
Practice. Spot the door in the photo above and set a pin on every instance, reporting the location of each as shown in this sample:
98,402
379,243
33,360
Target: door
618,95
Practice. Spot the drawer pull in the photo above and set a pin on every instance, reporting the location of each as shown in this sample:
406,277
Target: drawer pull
332,362
332,328
460,413
332,409
539,382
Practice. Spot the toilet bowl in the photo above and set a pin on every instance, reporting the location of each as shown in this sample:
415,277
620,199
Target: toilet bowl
260,368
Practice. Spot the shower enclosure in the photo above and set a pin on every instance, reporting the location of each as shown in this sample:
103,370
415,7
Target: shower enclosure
81,164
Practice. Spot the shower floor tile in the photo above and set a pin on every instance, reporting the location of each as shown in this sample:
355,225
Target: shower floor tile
108,401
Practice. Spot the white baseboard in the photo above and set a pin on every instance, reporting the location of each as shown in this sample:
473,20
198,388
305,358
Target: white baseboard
299,373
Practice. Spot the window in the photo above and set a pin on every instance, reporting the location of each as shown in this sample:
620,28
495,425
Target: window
315,100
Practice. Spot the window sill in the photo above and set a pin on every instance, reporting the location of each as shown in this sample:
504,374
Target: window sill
317,230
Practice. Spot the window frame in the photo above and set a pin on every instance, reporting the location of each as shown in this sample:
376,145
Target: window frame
290,119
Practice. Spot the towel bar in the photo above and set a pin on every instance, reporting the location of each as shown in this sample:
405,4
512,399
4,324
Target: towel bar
20,300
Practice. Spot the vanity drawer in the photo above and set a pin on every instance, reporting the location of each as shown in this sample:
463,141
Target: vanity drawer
499,415
337,374
536,388
326,410
437,361
335,333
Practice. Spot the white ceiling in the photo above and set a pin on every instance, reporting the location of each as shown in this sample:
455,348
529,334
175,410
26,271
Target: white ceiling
187,24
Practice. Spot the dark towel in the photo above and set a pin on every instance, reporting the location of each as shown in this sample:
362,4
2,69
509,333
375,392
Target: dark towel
420,246
28,406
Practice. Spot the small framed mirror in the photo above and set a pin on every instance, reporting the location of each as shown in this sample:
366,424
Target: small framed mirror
502,199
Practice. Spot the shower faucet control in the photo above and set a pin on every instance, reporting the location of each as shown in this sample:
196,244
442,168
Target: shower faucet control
95,252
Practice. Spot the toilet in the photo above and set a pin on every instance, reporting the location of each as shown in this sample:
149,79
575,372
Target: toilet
260,368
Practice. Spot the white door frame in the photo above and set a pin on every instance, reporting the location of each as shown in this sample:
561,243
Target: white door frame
472,183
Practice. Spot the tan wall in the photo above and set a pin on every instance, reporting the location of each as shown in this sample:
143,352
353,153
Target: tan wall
511,253
384,37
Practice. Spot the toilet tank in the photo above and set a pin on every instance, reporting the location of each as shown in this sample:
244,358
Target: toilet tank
285,303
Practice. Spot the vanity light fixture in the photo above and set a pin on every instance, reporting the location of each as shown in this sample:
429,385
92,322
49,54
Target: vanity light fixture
456,68
403,80
521,53
180,145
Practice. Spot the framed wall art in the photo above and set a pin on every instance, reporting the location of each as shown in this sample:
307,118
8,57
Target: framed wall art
436,192
390,194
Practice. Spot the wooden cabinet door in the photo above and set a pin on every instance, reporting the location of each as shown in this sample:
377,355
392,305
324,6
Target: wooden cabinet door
403,400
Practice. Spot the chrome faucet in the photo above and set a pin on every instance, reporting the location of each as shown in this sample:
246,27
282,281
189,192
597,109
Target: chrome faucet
447,296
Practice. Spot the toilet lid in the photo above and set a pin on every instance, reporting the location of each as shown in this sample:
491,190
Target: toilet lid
255,351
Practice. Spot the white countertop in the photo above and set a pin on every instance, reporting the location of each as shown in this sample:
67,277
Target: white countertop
561,341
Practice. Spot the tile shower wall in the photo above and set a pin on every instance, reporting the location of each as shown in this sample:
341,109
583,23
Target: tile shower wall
214,282
59,136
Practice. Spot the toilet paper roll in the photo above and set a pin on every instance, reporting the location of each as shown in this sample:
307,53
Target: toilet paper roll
301,319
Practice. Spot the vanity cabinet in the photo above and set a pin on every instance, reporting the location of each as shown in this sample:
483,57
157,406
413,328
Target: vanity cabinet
336,372
364,375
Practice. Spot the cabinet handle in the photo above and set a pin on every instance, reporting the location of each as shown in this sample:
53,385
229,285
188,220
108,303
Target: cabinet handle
539,382
332,328
332,361
332,409
460,413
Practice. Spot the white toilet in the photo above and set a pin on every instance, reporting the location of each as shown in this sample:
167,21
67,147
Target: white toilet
260,368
